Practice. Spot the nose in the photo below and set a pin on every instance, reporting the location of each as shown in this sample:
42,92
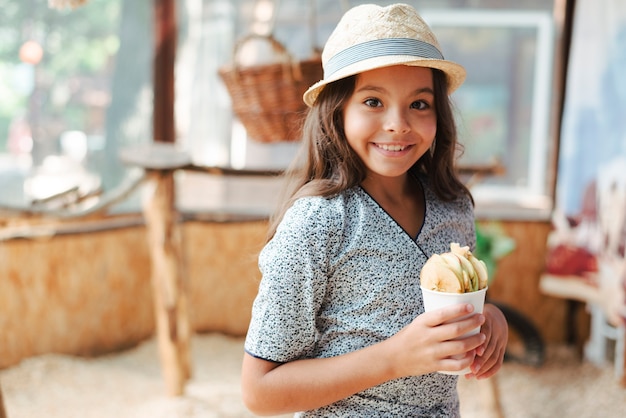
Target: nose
396,121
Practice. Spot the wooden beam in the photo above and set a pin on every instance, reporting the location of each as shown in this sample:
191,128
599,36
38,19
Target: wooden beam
166,29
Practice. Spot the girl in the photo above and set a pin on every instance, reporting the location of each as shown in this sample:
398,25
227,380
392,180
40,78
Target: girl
338,326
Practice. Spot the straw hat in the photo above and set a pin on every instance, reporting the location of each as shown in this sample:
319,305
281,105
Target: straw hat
371,36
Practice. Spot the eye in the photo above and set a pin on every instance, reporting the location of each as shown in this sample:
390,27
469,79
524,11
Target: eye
420,105
372,102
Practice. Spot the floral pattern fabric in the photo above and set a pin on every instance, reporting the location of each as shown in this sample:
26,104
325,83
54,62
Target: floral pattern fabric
339,275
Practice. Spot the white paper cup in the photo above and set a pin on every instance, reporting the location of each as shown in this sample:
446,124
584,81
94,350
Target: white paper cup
435,300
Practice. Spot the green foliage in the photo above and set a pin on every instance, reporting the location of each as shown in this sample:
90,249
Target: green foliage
78,45
492,244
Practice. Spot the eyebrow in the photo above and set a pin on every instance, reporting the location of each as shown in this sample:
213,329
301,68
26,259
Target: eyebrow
429,90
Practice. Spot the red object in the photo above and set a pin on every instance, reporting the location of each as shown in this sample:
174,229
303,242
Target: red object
567,260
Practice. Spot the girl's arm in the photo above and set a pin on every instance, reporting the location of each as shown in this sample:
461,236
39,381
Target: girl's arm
423,346
490,355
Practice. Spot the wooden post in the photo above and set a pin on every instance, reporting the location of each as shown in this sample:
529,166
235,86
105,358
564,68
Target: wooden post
623,371
168,272
490,397
3,413
166,27
168,278
622,329
169,281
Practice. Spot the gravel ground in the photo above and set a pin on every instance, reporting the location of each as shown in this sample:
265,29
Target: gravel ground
129,385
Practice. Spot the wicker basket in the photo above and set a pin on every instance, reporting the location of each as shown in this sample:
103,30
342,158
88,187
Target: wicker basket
268,98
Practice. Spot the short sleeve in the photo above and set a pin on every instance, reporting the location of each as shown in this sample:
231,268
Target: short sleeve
293,265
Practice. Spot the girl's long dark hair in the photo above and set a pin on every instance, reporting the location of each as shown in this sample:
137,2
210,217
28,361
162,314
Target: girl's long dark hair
326,165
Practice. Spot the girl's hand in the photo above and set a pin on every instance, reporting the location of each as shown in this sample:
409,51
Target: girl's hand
490,355
431,342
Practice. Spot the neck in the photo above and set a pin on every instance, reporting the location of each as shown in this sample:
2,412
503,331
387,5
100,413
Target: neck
390,189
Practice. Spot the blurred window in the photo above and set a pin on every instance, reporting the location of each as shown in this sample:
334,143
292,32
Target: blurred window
77,84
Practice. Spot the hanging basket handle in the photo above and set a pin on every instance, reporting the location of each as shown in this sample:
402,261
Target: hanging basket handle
292,70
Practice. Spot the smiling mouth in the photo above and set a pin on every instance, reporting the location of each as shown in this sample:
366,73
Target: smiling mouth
394,148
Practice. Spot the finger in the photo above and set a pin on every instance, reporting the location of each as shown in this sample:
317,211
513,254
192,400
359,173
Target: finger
487,330
483,374
488,372
461,329
447,314
482,360
483,367
460,347
487,349
456,363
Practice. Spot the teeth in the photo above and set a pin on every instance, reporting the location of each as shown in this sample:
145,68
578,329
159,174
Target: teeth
391,147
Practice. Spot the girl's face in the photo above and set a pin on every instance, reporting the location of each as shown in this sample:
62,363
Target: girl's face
390,120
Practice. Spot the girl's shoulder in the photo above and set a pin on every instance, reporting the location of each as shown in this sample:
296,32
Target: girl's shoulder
324,213
314,221
319,206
